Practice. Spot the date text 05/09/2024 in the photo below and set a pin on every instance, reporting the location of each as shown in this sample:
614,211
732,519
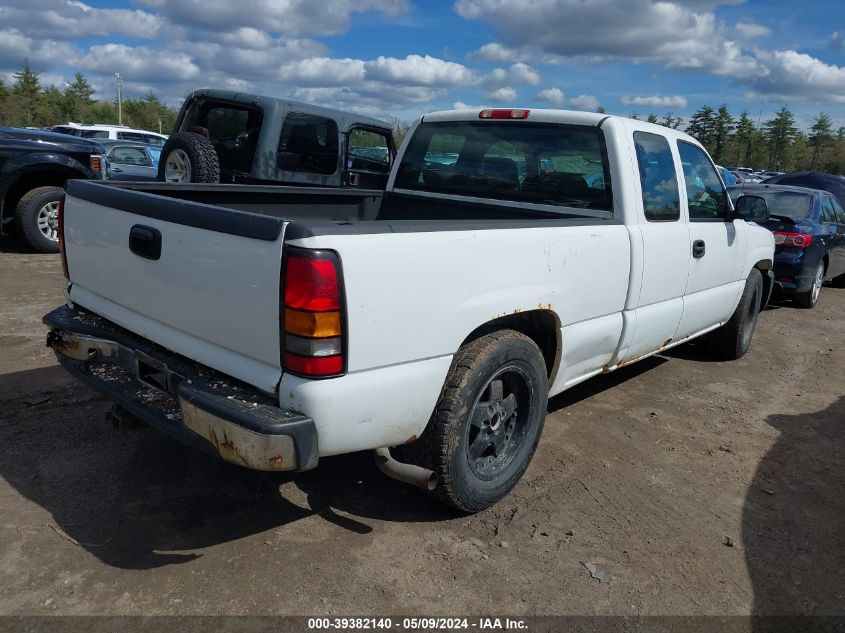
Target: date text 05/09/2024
417,624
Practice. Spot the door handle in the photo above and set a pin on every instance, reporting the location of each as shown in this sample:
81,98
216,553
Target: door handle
145,242
698,249
116,170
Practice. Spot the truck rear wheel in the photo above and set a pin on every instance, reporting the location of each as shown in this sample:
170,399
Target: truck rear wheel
488,420
188,157
733,339
37,218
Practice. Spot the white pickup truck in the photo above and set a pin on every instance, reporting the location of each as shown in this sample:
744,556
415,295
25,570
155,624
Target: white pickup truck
513,254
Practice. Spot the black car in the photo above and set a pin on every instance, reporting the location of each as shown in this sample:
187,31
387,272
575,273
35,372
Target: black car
809,229
35,166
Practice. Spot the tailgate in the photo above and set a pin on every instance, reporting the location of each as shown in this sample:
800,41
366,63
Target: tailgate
212,294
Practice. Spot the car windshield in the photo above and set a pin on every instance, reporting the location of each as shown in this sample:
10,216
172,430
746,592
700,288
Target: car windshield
539,163
788,204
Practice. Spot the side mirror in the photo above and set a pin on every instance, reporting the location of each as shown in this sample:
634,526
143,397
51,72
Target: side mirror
752,209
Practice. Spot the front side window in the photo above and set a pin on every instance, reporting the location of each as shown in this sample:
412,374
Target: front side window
828,212
539,163
308,144
150,139
661,200
706,196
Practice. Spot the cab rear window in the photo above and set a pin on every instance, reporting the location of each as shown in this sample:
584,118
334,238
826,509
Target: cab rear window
539,163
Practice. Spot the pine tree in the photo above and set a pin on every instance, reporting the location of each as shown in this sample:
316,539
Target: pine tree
4,100
821,135
79,97
743,138
635,115
670,120
780,133
26,91
702,126
652,118
722,127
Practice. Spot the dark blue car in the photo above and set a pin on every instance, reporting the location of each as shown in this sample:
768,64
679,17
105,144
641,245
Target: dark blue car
809,228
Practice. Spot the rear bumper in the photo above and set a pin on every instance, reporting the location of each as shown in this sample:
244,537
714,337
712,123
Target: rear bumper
190,402
793,272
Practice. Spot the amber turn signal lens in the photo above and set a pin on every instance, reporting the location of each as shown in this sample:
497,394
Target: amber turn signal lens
312,324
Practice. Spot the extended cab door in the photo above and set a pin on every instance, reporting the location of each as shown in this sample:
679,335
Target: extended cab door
716,244
652,314
369,155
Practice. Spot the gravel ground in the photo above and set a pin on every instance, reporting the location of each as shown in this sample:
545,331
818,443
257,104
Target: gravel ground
675,486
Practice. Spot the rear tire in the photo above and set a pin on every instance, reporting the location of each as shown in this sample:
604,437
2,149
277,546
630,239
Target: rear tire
188,157
487,423
37,219
732,340
809,298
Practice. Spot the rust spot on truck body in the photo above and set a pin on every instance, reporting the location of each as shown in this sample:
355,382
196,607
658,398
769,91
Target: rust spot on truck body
411,439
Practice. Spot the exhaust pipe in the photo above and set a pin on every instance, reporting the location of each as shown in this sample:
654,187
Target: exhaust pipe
417,476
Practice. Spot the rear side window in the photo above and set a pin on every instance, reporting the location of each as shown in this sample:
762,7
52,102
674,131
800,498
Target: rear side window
131,136
153,140
129,156
540,163
308,144
368,151
840,213
94,134
661,200
706,195
828,213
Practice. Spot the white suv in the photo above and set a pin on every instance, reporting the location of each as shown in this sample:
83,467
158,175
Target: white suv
114,132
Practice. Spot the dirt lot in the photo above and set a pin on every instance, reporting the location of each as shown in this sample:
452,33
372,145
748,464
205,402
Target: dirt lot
642,476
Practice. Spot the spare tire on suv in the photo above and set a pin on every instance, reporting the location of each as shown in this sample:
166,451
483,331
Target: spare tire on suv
188,157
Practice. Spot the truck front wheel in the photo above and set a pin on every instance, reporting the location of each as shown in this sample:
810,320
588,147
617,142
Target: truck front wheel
733,339
488,420
37,218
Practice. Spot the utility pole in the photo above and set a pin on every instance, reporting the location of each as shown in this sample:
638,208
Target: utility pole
119,98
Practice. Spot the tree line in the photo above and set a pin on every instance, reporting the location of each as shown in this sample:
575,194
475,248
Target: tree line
26,103
776,144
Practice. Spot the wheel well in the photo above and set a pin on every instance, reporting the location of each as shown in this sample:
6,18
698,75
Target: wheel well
764,266
28,182
541,326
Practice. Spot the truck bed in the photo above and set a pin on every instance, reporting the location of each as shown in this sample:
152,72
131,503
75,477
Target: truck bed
315,211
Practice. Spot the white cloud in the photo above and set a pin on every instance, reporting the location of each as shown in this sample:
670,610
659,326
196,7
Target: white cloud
298,17
584,102
460,105
66,20
790,75
322,71
674,101
421,71
502,95
556,31
554,96
752,30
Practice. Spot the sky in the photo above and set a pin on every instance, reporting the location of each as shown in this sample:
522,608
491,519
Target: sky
402,58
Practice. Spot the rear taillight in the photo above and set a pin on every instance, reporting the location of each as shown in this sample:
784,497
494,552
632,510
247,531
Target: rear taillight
312,315
785,239
60,226
96,163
